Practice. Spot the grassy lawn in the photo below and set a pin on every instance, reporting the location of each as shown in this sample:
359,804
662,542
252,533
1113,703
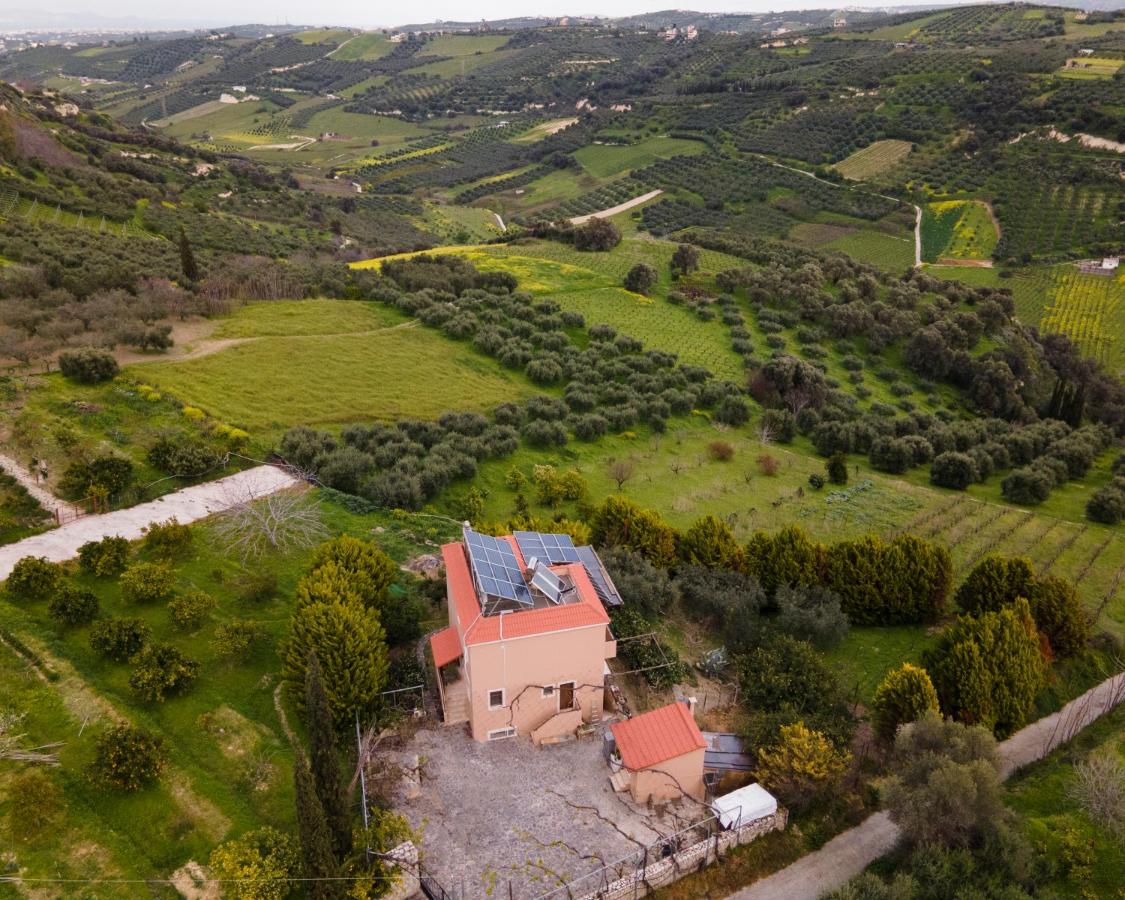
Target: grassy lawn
230,767
864,657
874,159
292,318
1058,824
607,160
381,371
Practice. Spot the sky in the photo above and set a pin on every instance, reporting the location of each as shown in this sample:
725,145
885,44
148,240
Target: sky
357,13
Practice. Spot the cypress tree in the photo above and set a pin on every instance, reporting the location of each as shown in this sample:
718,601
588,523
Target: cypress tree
316,840
324,761
187,258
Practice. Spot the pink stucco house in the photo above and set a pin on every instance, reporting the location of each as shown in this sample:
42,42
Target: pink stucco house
528,638
662,754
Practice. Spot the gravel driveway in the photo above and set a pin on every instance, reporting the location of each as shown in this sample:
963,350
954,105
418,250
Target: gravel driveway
187,505
508,812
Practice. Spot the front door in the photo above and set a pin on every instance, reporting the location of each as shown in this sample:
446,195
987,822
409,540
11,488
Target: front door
566,695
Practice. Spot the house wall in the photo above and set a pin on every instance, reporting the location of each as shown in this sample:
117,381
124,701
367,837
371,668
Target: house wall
522,666
669,780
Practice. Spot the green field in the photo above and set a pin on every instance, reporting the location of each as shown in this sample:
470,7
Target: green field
463,44
371,45
380,371
1090,67
874,159
607,160
1088,308
957,229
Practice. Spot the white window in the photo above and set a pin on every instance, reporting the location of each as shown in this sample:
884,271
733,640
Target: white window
498,734
496,699
548,691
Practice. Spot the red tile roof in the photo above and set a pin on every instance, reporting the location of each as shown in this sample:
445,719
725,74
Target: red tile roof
446,646
476,628
655,737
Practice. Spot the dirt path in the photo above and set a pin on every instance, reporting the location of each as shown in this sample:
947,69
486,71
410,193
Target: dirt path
58,508
852,851
614,210
187,505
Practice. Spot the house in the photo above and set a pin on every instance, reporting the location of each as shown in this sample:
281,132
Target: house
662,754
528,638
839,22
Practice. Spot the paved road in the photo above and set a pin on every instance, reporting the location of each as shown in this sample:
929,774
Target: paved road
852,851
187,505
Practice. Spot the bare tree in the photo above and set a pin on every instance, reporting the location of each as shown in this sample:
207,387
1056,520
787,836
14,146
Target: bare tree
254,526
765,433
621,470
1099,788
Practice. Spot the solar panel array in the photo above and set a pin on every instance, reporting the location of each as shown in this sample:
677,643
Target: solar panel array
496,569
550,548
599,578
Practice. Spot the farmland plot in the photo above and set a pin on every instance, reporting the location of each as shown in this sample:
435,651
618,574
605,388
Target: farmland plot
1090,310
873,160
957,230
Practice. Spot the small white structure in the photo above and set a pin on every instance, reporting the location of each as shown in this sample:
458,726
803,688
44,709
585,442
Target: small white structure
748,804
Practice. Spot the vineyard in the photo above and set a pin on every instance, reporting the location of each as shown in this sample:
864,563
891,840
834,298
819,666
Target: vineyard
1090,309
873,160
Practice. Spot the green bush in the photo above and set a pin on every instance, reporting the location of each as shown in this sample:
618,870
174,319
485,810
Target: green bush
646,652
167,540
160,670
710,543
234,639
146,582
994,583
954,470
904,695
901,581
104,558
83,479
119,639
641,278
88,365
1060,615
73,605
837,468
33,578
34,802
621,523
127,758
189,611
786,557
1107,504
597,234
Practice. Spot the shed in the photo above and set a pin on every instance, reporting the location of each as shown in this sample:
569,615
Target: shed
662,752
744,806
725,753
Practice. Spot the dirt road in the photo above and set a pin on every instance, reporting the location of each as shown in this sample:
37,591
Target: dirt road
187,505
614,210
852,851
58,508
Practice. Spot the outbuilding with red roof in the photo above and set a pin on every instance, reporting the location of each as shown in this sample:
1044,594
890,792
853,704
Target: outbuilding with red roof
662,752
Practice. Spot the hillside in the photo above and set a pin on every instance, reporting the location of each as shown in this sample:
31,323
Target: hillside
808,321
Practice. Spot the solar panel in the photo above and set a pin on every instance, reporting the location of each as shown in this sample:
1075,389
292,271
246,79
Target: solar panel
599,577
496,569
548,582
551,548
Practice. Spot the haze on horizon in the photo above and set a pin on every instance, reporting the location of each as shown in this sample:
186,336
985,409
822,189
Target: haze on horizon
141,14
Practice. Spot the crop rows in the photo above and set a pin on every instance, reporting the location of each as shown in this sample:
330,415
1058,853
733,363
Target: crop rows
1088,309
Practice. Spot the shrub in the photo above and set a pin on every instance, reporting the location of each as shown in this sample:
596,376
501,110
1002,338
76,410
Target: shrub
816,481
642,586
1029,486
104,558
721,451
811,614
34,802
768,465
597,234
710,543
368,569
118,639
88,365
73,605
786,557
159,670
259,865
732,411
33,578
1107,504
954,470
987,670
146,582
890,455
1060,615
234,639
945,787
184,457
190,610
167,540
109,473
714,595
803,764
994,583
648,653
837,468
641,278
127,758
620,522
256,587
903,697
685,259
